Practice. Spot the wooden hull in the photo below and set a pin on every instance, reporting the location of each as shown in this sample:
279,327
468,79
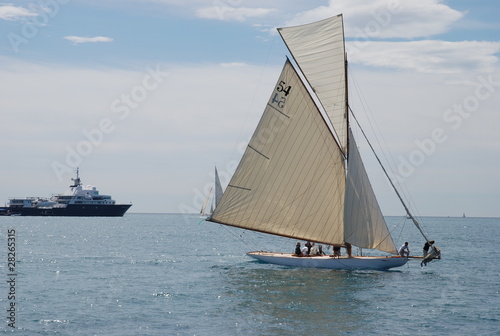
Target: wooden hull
342,263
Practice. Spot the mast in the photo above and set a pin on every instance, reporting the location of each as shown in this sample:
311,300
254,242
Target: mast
417,224
346,112
76,181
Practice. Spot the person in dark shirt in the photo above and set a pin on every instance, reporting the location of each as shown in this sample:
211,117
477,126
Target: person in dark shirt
426,248
298,252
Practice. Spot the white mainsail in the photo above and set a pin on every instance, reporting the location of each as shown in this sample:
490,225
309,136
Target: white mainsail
318,48
364,223
291,178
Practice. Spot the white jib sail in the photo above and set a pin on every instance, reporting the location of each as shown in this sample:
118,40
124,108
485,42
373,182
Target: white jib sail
218,188
364,223
318,48
291,178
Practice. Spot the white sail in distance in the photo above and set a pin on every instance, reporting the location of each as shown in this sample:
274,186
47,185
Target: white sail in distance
218,188
291,178
203,207
319,50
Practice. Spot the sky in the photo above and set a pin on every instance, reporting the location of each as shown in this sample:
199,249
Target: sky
147,97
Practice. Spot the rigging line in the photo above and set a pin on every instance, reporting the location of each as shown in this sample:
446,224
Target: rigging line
261,75
390,181
372,121
239,237
402,228
377,134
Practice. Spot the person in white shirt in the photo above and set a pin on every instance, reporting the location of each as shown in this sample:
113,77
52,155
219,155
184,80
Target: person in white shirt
404,250
314,250
305,251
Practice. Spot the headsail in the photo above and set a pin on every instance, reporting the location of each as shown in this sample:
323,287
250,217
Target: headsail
291,178
319,51
203,207
364,223
218,188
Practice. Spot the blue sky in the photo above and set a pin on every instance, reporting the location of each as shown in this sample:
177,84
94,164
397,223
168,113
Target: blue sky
199,74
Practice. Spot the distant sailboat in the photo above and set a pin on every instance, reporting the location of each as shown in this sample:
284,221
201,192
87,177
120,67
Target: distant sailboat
301,175
205,202
218,196
218,188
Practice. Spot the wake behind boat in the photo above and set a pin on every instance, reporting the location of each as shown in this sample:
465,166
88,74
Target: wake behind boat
302,175
78,200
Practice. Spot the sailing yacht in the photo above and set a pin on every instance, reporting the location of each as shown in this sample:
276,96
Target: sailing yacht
217,196
301,175
218,188
204,205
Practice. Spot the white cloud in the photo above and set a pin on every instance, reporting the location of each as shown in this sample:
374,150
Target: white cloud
427,56
14,13
79,39
367,23
386,18
229,13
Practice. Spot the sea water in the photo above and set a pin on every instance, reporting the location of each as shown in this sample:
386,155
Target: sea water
166,274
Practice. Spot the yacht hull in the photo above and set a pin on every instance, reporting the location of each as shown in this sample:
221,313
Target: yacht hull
73,210
342,263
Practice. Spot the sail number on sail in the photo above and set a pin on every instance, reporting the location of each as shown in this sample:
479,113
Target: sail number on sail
278,98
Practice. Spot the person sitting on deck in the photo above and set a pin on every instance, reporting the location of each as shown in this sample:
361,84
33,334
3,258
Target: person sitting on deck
404,251
348,248
305,251
298,252
308,245
320,251
314,250
336,251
